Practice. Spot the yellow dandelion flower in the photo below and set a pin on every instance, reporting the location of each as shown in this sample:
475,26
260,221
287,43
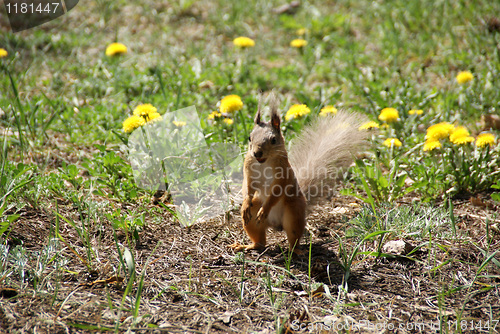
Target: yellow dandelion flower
463,140
132,123
369,125
416,112
439,131
458,133
230,103
179,124
298,43
464,77
431,144
485,139
388,115
228,121
301,31
214,114
153,117
297,110
328,110
243,42
115,49
389,142
3,53
144,110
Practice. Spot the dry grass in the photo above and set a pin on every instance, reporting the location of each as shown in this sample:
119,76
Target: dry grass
194,284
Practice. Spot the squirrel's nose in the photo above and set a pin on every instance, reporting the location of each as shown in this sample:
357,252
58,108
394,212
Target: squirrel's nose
257,154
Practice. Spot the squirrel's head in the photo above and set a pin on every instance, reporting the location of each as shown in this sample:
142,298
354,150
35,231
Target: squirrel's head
266,140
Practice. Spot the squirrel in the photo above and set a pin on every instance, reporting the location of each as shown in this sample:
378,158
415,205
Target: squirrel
278,187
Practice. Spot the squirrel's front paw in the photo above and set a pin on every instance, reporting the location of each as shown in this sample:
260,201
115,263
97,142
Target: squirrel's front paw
246,212
260,216
247,216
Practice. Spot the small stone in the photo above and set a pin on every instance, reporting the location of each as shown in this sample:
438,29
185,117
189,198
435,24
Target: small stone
397,247
226,317
339,211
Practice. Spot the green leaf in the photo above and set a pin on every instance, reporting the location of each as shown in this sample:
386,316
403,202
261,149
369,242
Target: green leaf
382,181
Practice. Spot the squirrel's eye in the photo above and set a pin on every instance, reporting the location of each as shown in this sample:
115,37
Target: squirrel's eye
273,141
249,138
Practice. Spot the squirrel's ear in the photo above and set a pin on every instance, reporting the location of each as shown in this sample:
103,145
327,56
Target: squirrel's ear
257,117
275,116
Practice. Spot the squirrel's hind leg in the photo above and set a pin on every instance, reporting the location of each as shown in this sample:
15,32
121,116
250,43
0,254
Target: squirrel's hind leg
294,224
255,231
237,247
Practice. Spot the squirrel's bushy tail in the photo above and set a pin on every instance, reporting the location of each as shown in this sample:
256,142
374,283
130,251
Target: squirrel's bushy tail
323,148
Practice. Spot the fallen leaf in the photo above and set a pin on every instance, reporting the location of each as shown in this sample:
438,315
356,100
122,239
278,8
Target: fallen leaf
8,292
288,8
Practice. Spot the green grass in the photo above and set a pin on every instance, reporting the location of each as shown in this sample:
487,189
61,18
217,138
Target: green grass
63,101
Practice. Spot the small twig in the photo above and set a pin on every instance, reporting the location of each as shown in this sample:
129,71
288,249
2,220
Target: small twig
165,253
484,218
261,254
64,302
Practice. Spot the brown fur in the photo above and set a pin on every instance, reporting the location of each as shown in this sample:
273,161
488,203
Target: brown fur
272,194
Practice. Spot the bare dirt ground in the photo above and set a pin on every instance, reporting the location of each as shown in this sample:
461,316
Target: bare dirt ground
194,284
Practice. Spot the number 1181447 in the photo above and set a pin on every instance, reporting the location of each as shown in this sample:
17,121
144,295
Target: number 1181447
31,8
473,325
